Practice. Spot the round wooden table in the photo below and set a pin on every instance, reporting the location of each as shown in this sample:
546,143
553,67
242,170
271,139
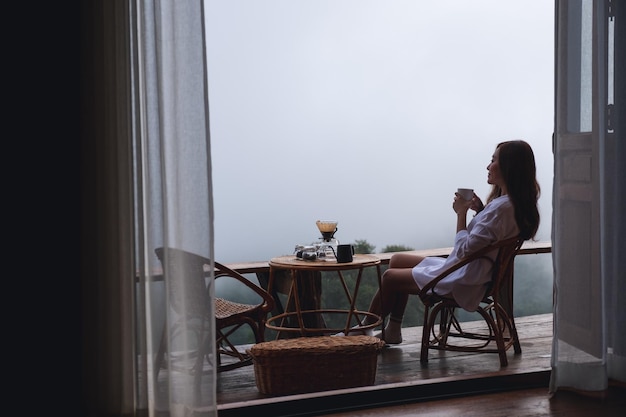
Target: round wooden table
280,323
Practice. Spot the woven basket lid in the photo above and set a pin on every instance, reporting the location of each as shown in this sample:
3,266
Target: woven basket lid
317,345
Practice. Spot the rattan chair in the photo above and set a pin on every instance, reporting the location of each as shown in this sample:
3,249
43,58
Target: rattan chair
190,300
442,329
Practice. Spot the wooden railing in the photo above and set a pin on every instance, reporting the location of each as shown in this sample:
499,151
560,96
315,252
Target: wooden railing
262,269
528,248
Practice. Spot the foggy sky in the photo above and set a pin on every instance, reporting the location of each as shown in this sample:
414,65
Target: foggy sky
370,113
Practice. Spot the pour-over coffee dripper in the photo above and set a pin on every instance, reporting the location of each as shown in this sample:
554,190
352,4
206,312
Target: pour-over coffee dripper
327,229
329,243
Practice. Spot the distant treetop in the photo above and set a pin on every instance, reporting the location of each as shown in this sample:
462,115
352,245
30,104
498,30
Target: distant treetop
396,248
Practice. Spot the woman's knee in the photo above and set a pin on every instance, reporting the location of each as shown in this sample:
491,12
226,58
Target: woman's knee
404,260
398,279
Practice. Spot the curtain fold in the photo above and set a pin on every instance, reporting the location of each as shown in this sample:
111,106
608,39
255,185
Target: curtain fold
173,204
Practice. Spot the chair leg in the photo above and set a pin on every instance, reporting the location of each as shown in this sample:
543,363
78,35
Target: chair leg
446,318
199,368
425,335
228,349
504,361
517,347
509,323
261,331
160,356
494,324
258,329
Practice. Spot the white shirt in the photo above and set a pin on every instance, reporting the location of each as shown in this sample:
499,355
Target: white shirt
468,284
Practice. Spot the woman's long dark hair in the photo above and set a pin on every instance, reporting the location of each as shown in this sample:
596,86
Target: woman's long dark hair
517,165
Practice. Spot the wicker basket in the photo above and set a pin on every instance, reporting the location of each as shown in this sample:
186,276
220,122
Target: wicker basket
308,364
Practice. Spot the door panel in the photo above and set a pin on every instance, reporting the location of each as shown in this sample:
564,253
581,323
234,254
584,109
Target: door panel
576,204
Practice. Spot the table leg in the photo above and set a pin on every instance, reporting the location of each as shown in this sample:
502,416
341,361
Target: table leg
310,295
380,291
352,299
304,292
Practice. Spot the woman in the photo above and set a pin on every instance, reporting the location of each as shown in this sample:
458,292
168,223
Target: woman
511,210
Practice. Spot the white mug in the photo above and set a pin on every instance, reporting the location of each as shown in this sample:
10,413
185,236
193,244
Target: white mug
466,193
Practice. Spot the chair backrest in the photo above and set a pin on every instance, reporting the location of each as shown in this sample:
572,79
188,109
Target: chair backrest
185,279
503,264
186,276
501,288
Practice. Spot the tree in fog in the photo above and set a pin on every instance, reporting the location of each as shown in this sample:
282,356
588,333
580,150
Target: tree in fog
396,248
361,246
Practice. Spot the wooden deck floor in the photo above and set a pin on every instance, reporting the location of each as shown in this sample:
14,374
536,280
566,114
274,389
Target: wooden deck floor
402,379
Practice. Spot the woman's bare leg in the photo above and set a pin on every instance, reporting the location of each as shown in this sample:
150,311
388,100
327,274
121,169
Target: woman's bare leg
397,284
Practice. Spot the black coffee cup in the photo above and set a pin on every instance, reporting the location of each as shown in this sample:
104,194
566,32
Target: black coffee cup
345,253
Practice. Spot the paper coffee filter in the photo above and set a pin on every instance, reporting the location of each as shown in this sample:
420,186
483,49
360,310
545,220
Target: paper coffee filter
326,225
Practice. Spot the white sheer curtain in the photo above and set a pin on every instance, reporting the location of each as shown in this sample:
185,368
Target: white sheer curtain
589,345
173,198
145,182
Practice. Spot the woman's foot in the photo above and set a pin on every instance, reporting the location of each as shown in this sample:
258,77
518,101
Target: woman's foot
393,331
390,339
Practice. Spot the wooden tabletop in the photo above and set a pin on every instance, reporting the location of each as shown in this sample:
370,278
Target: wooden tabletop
329,264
